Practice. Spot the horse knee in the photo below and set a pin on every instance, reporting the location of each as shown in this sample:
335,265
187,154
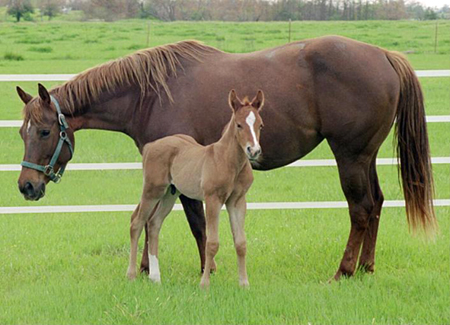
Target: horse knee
241,248
212,247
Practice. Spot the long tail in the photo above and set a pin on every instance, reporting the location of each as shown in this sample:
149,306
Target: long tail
413,148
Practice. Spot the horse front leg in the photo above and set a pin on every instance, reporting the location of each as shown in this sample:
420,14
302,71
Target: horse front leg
196,217
213,206
236,207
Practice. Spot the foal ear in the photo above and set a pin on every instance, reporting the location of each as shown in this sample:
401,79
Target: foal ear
43,93
233,101
258,101
25,97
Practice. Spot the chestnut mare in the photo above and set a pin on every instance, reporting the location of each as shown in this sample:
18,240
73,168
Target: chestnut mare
347,92
218,174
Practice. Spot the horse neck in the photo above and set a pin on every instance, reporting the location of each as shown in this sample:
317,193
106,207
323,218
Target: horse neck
111,111
229,147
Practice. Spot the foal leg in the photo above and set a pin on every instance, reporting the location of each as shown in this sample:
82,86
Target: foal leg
354,176
196,218
236,208
213,206
139,218
154,227
367,258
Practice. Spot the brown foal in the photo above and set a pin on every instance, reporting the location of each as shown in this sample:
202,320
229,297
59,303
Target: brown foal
218,174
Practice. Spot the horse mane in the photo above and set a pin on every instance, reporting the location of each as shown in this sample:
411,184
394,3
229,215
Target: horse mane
148,68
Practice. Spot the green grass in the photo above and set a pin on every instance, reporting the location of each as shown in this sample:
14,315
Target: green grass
70,268
85,43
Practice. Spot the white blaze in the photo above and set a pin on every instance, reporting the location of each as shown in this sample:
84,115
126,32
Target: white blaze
250,120
154,275
28,126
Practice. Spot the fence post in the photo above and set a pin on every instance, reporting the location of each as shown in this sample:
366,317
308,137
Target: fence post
436,38
289,30
148,35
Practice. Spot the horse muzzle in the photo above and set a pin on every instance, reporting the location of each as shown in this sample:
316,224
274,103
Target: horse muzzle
32,192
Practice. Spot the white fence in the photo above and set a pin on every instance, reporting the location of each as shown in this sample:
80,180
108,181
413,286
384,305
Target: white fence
251,206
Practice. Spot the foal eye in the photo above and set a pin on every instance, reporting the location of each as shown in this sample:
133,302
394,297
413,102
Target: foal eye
45,133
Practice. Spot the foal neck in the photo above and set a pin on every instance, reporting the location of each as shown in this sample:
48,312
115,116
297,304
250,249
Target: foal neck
229,144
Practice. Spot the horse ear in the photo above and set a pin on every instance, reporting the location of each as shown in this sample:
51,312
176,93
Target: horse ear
25,97
258,101
43,93
233,101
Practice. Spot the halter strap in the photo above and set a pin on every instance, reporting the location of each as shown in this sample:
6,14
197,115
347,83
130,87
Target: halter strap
48,170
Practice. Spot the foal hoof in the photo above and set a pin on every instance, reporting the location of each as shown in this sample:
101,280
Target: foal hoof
204,283
244,284
131,275
155,278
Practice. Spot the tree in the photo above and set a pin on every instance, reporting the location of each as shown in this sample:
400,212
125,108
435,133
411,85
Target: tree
50,7
19,8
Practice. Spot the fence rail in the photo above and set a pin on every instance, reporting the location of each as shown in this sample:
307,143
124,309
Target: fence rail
430,119
138,165
178,207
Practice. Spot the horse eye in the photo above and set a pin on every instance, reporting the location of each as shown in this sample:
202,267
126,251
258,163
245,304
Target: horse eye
239,126
261,127
45,133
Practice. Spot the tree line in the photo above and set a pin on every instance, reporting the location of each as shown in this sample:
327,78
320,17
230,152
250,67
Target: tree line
230,10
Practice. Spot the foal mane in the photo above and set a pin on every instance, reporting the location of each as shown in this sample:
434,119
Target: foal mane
148,68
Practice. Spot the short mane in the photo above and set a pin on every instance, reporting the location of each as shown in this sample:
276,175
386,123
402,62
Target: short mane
148,68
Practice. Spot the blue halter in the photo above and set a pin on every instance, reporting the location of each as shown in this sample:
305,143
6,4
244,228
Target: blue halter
48,170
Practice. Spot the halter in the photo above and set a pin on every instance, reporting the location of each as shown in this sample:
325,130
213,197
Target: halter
48,169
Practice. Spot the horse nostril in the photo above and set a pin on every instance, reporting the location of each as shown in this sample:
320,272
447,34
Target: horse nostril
249,150
28,188
258,152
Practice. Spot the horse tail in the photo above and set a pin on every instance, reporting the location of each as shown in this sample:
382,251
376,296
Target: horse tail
413,149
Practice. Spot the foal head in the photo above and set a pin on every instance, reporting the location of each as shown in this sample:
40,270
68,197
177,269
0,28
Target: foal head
248,122
48,143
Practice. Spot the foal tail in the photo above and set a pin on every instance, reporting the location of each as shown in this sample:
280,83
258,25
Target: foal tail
413,148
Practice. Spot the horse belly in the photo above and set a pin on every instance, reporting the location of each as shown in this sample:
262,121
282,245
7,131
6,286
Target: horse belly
186,177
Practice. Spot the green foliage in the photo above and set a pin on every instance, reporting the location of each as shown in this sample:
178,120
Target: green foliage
20,9
41,49
13,56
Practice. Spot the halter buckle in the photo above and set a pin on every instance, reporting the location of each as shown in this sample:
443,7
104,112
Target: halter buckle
63,135
57,179
48,170
62,120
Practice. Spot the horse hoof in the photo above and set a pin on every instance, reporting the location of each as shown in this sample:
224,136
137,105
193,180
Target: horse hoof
244,284
204,284
131,275
155,278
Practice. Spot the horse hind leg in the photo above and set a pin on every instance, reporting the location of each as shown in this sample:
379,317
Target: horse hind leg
367,258
138,221
354,176
154,227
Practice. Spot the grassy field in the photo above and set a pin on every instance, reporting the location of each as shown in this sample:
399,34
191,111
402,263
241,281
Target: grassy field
70,268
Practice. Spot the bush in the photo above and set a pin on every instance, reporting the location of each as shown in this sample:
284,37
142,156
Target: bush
13,56
41,49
